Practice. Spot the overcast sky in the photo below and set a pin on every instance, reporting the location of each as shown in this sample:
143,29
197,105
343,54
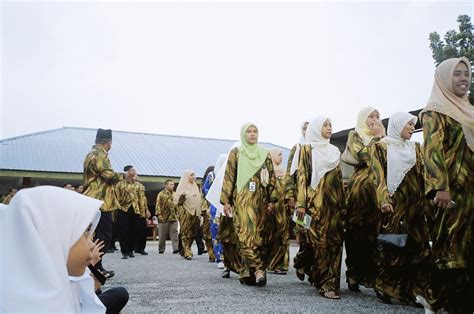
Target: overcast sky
203,69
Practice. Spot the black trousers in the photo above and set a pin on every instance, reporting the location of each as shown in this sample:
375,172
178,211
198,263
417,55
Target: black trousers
115,229
127,222
103,232
140,241
198,238
114,299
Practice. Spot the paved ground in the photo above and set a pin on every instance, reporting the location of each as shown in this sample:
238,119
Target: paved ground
168,283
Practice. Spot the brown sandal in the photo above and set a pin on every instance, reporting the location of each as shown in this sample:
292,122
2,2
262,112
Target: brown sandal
331,295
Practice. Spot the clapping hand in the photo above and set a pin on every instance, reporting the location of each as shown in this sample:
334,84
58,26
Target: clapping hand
95,251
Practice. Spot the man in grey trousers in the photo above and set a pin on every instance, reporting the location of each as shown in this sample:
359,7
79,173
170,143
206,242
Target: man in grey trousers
166,211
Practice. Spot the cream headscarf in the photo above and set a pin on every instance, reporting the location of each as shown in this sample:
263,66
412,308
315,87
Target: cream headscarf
443,99
296,156
362,128
38,228
192,202
325,156
251,158
401,154
279,169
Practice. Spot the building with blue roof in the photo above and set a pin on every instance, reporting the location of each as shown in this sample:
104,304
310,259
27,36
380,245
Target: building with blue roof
55,157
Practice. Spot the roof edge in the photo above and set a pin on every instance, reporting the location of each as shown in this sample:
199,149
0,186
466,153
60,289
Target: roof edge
128,132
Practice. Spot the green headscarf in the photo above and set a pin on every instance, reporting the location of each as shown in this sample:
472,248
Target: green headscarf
251,158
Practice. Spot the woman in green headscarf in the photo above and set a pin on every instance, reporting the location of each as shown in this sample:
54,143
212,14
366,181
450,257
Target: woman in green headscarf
248,195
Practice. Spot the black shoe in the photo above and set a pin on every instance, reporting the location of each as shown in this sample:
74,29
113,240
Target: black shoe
354,287
202,252
131,254
262,281
383,297
161,252
248,281
300,275
175,251
142,252
226,273
124,256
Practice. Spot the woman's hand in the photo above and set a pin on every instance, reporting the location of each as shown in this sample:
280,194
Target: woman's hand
182,199
300,213
228,210
270,208
378,130
387,208
443,199
95,251
291,203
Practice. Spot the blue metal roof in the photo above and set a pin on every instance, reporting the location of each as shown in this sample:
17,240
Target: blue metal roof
63,150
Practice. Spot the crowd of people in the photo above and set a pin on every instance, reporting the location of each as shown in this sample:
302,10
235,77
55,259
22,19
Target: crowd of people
406,215
405,218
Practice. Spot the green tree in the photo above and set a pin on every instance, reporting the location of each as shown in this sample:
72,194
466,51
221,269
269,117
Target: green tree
455,44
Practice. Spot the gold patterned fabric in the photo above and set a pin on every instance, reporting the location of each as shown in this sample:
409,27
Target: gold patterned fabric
100,178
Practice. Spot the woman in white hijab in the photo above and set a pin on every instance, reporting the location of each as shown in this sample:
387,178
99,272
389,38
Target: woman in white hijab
188,198
402,273
321,195
291,190
448,130
292,167
46,238
362,212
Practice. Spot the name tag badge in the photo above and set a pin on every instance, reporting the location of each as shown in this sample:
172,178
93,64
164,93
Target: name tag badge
252,186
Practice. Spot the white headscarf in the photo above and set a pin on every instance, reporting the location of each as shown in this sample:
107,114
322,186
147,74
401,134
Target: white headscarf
325,156
38,228
401,154
220,162
214,193
296,156
362,128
